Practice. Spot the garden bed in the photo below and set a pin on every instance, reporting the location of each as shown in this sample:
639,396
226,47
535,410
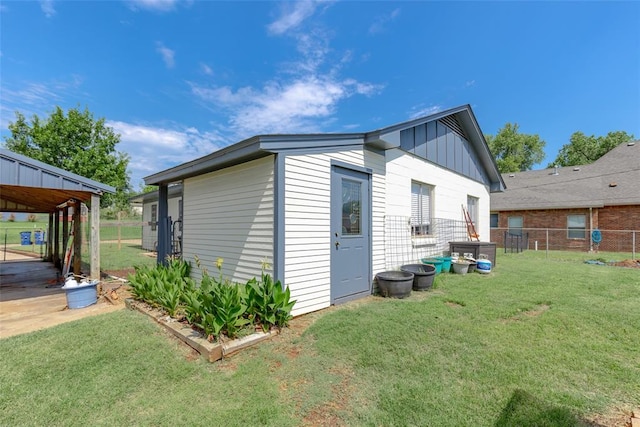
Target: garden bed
212,351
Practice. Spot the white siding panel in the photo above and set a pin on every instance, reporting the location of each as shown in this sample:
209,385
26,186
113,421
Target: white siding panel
450,190
230,214
307,222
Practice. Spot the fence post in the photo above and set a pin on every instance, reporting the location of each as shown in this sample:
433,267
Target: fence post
119,231
547,240
633,244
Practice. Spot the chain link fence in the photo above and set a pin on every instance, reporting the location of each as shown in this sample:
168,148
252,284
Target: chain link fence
623,242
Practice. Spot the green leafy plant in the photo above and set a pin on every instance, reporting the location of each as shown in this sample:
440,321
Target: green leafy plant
217,306
269,303
162,285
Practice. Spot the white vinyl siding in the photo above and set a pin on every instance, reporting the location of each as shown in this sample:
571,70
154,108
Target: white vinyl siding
450,193
229,214
308,227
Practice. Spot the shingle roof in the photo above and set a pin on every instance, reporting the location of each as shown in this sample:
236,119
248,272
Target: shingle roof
614,179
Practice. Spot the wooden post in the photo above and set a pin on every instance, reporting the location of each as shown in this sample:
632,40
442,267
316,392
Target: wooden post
65,228
77,238
49,239
56,238
95,236
119,231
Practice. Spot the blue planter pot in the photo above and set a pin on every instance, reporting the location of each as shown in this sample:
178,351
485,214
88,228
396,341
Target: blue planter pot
82,295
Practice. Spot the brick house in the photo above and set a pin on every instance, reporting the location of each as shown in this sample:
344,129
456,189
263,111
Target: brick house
571,202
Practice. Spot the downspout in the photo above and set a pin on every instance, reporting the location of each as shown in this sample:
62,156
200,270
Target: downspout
590,229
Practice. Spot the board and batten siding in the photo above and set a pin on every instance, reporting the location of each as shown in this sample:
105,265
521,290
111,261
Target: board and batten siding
307,223
229,214
149,235
450,189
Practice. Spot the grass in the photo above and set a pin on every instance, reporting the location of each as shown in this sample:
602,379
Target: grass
108,230
536,342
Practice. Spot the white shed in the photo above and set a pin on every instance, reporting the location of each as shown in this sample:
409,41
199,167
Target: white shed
149,206
329,211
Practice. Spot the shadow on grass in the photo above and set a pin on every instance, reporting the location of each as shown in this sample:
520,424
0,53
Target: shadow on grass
524,410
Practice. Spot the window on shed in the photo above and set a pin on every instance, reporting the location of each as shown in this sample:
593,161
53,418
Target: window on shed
180,210
494,220
576,226
154,217
421,209
472,208
515,225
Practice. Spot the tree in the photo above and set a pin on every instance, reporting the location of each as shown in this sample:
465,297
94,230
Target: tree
583,149
75,142
514,151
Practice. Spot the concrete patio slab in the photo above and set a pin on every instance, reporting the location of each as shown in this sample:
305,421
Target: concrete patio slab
31,298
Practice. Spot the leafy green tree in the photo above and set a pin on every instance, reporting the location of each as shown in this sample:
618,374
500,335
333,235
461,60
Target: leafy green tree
514,151
75,142
583,149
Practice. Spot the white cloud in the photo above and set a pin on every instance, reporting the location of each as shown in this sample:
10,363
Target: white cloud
293,13
168,55
47,8
153,5
152,149
37,97
422,111
283,107
304,98
206,69
379,25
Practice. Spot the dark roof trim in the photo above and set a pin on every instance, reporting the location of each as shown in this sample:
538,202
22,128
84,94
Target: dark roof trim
152,196
12,176
381,139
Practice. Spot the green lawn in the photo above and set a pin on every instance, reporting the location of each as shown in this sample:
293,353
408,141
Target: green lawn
108,230
535,343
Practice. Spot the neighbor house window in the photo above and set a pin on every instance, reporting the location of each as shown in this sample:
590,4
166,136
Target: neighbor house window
576,226
472,208
515,225
154,217
494,220
421,209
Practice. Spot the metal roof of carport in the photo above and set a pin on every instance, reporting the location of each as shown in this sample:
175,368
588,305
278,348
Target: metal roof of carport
28,185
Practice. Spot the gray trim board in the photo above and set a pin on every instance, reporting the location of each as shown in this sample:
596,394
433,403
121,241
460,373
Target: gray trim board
349,166
278,217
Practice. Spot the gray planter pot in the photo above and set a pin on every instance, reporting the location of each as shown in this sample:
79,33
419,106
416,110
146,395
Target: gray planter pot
423,275
395,284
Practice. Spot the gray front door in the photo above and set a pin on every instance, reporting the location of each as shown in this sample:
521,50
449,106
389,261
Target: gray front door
350,233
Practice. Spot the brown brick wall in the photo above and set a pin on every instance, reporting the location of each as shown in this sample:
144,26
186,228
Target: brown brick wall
607,218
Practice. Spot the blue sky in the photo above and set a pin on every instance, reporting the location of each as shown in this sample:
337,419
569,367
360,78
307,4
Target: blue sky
180,79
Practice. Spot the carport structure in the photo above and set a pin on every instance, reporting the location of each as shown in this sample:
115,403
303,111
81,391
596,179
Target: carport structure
31,186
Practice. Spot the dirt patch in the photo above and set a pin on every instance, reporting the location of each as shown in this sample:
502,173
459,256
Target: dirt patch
616,417
117,274
533,312
328,414
629,263
454,304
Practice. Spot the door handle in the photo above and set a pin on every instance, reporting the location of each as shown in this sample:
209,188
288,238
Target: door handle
337,244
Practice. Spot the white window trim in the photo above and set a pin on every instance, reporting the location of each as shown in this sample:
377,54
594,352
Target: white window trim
420,222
